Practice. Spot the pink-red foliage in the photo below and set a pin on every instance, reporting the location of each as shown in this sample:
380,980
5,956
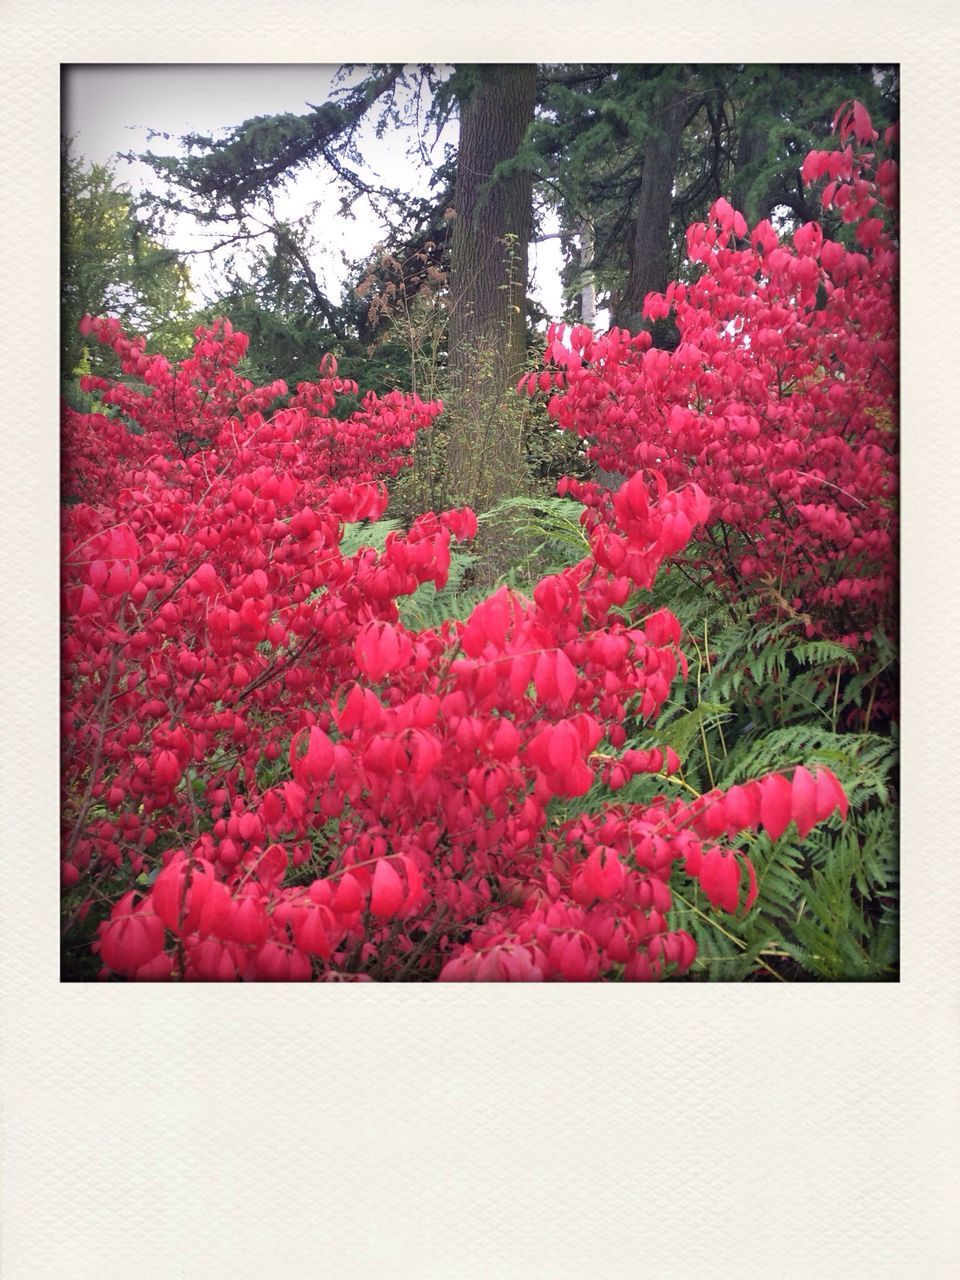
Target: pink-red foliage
268,777
779,400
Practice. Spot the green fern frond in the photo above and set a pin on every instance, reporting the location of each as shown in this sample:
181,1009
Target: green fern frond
367,533
428,608
553,538
681,731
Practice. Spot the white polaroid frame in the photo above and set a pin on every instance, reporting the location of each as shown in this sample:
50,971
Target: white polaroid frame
499,1132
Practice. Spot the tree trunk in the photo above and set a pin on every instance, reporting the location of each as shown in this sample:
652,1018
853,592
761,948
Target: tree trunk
488,283
650,244
588,288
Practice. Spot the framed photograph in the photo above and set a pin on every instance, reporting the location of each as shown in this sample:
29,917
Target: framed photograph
469,538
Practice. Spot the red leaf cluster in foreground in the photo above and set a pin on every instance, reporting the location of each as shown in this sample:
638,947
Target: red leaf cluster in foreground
288,784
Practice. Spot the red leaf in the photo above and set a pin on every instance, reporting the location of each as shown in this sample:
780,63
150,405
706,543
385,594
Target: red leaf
742,809
829,795
179,892
803,801
719,877
132,937
562,746
312,925
386,895
247,922
415,890
349,895
776,798
752,891
544,677
862,124
272,866
565,677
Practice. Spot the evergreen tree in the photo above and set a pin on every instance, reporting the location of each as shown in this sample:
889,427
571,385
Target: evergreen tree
274,297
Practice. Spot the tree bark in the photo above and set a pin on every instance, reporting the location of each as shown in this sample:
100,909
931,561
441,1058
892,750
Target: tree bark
488,281
649,255
588,288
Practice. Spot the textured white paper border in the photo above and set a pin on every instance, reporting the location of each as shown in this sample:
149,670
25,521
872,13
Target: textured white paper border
562,1133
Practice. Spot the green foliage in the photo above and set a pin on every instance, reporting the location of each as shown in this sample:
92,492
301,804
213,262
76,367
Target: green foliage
545,529
272,294
260,154
779,113
550,453
282,344
747,128
429,607
368,533
762,698
545,532
114,263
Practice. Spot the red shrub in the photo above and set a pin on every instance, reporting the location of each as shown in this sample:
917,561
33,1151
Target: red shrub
273,779
779,400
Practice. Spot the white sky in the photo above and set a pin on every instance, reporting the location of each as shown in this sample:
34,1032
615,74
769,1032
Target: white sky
110,109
